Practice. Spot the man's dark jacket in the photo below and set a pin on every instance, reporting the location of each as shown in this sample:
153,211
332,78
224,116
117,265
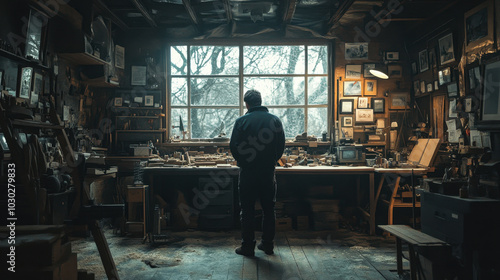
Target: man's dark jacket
258,139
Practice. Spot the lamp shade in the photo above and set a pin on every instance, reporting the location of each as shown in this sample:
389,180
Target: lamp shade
380,71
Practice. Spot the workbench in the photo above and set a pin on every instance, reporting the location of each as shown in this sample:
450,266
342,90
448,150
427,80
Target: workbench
158,177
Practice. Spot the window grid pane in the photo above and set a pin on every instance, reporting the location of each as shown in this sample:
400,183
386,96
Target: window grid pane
210,93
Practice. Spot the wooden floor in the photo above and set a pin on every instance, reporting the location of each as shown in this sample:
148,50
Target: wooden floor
196,255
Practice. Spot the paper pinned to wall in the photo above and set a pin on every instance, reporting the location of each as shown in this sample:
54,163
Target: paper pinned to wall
476,138
454,135
451,124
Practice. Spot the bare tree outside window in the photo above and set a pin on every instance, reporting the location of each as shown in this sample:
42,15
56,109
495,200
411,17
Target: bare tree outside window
293,81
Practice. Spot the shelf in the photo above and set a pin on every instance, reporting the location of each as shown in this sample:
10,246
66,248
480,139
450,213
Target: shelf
16,57
133,117
35,124
82,59
140,131
99,82
138,108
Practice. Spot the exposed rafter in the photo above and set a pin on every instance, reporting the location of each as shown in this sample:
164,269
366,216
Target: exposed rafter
346,4
192,13
105,11
227,7
147,16
289,10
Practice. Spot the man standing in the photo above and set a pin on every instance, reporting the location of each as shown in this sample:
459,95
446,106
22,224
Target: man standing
257,143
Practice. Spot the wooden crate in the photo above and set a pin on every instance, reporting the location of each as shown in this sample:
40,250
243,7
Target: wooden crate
283,224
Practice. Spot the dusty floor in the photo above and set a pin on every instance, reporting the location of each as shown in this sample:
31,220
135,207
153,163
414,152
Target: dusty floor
340,254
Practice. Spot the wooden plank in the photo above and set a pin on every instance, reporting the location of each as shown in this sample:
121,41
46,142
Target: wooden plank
430,152
418,151
249,269
411,235
305,269
290,269
312,257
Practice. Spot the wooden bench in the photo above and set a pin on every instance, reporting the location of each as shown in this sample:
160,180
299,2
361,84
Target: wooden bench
417,241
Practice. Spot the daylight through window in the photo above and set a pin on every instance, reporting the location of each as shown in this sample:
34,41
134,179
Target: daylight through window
207,83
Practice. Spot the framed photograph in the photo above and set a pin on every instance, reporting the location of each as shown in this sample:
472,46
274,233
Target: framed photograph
346,121
371,87
392,56
468,104
473,79
436,85
25,82
36,22
452,109
446,50
37,89
356,51
362,102
352,88
491,91
347,132
118,101
414,69
432,58
119,57
378,105
429,87
452,89
423,61
395,71
364,115
352,72
148,100
346,106
366,70
478,24
399,100
138,75
444,76
416,87
423,89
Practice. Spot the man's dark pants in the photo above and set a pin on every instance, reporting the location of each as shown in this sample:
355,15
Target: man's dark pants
257,184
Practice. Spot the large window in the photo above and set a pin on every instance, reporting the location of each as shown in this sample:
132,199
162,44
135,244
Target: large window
207,83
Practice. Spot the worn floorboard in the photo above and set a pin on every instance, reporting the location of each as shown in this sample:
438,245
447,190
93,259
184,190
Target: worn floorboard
310,255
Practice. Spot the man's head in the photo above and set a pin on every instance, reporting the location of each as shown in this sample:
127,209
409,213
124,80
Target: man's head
252,98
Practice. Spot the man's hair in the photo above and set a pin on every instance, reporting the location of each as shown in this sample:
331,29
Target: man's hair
252,98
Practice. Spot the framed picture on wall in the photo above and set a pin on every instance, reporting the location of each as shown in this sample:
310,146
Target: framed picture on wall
370,87
364,115
432,58
346,106
446,50
399,100
378,105
416,87
138,75
473,78
444,76
352,88
423,61
366,70
118,101
25,82
414,69
352,72
395,70
148,100
491,92
356,51
37,89
346,121
478,24
33,48
362,102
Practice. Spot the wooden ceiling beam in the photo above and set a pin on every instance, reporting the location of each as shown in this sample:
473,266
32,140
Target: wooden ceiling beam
289,11
145,13
192,13
346,4
402,19
227,8
105,11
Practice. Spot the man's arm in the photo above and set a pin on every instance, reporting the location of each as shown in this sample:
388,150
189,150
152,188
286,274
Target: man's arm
235,141
280,140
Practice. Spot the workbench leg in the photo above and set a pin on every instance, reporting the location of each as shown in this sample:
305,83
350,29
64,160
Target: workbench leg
413,264
373,203
399,256
103,248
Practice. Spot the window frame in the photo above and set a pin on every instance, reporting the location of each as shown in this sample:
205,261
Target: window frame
241,77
